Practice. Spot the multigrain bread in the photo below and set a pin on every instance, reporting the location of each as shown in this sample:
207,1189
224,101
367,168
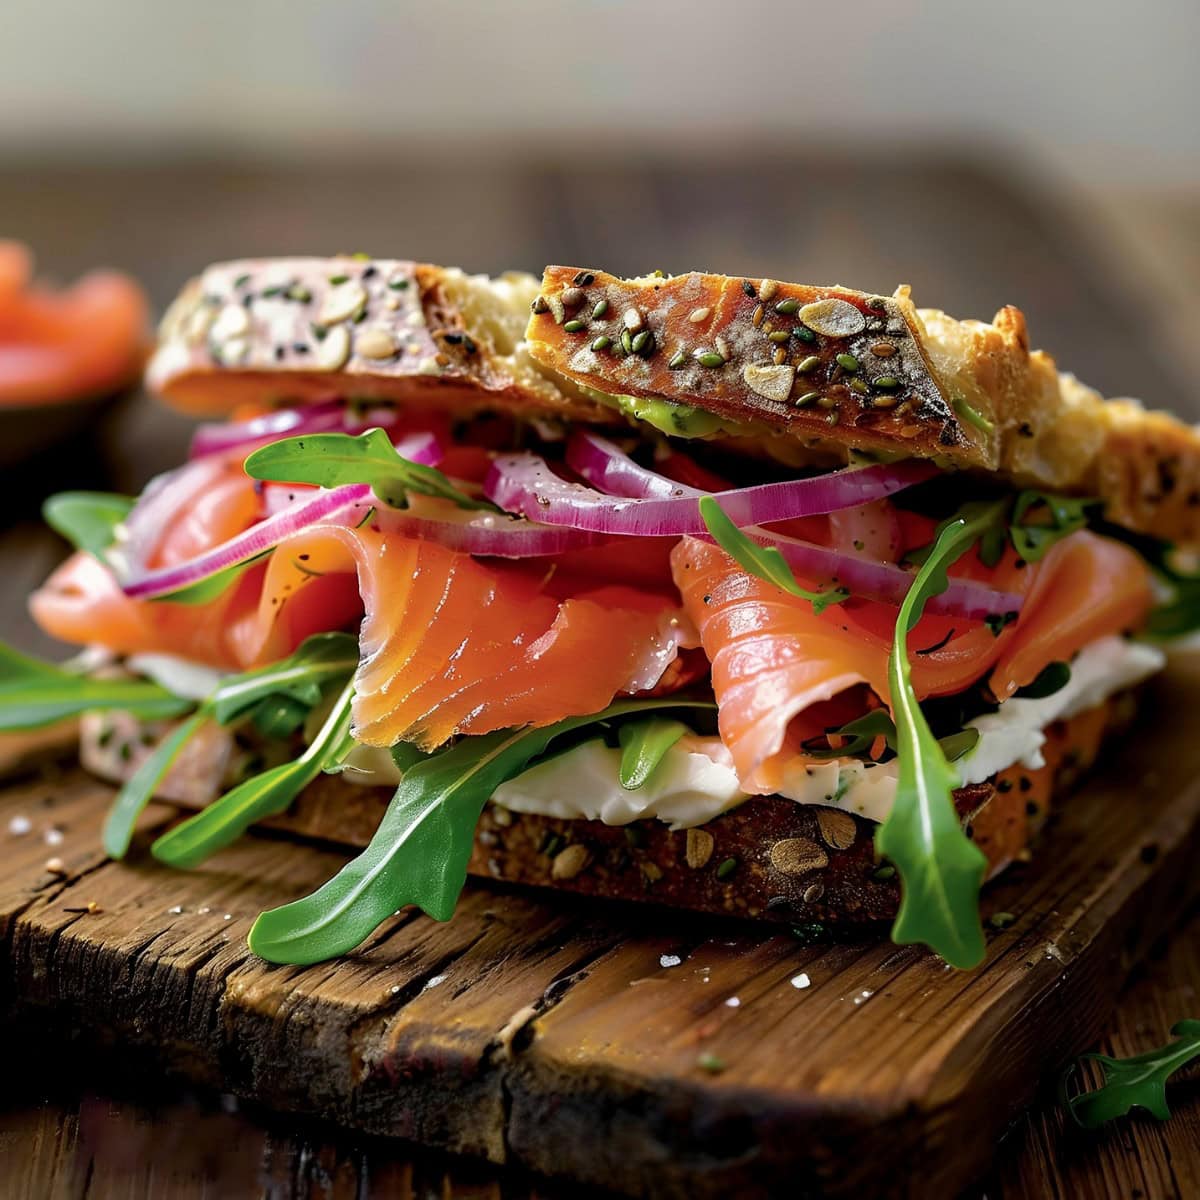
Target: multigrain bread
770,858
831,367
304,329
802,373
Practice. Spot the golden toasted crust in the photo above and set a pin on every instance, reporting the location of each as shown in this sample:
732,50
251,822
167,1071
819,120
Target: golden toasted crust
831,367
302,329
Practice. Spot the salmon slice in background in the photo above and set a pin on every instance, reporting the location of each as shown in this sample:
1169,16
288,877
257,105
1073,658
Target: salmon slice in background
776,664
85,340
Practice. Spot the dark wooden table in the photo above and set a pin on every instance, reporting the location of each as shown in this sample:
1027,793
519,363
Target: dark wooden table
75,1125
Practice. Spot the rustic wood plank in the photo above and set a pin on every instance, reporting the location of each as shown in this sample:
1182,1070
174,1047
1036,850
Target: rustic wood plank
565,1038
147,1139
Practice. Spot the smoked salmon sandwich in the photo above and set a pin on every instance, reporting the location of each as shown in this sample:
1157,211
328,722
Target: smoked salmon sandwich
792,603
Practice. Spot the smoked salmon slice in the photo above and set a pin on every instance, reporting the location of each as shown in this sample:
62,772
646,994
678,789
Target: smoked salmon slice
83,341
774,659
451,645
448,644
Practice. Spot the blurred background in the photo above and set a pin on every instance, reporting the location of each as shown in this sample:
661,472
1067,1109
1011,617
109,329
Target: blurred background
1043,154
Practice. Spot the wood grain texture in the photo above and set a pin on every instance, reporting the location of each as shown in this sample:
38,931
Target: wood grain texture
72,1128
567,1039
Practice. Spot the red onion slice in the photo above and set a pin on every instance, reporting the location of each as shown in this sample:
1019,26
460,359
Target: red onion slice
317,506
486,534
604,464
523,483
607,467
489,535
331,416
882,581
161,499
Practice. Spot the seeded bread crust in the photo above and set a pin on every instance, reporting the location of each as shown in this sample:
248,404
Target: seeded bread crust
832,368
304,329
769,859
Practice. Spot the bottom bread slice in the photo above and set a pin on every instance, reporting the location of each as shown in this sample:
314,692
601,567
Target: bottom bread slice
770,858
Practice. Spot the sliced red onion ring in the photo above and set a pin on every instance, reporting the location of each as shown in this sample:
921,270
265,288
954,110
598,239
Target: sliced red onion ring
608,467
297,508
161,500
493,535
327,417
882,581
523,483
604,464
316,506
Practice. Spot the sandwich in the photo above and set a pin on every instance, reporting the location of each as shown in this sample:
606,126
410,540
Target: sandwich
797,604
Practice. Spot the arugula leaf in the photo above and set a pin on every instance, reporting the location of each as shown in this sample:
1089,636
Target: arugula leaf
644,744
863,731
279,716
957,745
331,459
860,734
1179,613
1053,677
941,869
279,698
226,819
764,562
139,788
1058,517
1140,1081
406,756
999,622
205,590
419,852
87,520
33,694
319,660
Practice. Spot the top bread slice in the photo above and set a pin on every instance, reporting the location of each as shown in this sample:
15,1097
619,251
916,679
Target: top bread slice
303,329
802,373
835,369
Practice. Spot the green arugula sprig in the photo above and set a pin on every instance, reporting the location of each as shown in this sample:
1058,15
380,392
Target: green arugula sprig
941,869
278,696
226,819
420,851
1056,517
765,562
139,789
320,660
333,459
1033,524
205,590
644,744
1139,1081
860,735
1178,612
88,520
34,694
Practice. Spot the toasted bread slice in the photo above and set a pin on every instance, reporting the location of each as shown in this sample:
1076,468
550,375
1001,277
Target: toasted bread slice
834,369
770,858
302,329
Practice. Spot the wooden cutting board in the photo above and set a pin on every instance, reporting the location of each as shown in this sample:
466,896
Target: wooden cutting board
647,1052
